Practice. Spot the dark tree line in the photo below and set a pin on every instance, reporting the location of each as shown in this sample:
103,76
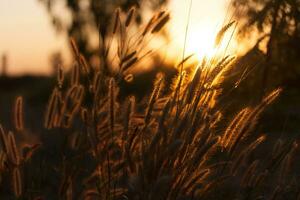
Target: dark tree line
278,22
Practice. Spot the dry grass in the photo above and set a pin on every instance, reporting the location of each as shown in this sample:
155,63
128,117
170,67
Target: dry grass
177,147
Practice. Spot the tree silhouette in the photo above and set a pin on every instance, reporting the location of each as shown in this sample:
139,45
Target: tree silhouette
88,17
279,22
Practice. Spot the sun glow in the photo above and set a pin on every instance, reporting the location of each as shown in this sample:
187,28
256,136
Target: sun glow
199,29
201,43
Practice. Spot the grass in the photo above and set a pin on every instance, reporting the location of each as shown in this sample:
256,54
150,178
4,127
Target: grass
175,144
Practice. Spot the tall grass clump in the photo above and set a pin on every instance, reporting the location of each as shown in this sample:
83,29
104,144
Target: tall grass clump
177,145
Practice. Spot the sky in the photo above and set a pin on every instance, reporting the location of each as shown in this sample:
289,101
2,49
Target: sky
28,38
206,19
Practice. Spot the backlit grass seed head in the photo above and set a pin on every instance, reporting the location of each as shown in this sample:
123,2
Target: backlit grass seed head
17,182
271,97
130,16
128,57
60,76
84,64
96,83
257,111
219,73
149,25
18,114
84,115
72,104
13,150
52,109
3,160
161,23
130,109
75,74
129,78
74,47
160,14
78,97
4,140
222,32
257,142
155,94
233,126
56,120
130,63
116,20
184,60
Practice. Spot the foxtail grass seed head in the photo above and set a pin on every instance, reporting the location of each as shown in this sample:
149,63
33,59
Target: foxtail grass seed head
17,182
73,101
18,114
130,16
96,82
84,64
128,57
13,150
117,20
129,78
155,94
52,109
84,115
272,96
60,76
74,47
232,127
128,117
185,60
222,33
3,139
160,14
75,74
161,23
149,25
130,63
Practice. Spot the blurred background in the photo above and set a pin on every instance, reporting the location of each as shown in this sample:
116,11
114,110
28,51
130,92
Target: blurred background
34,41
34,30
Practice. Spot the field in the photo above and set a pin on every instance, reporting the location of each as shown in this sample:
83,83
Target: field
196,130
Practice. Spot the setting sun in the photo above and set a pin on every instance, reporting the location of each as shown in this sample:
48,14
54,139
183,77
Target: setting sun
203,27
201,43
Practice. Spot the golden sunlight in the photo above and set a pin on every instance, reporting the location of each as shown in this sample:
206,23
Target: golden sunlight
201,43
206,19
203,26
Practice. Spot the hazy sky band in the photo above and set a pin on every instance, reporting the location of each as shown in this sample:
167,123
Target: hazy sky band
27,35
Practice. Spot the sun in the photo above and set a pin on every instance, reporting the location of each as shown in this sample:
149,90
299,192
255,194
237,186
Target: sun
201,43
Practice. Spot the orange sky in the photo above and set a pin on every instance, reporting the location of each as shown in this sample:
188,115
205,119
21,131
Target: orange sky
27,35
